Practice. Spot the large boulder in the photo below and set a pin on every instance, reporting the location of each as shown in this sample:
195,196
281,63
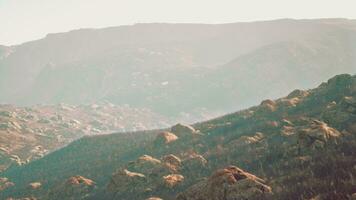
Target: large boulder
144,164
317,134
165,138
230,183
74,188
172,162
124,181
183,130
172,180
268,105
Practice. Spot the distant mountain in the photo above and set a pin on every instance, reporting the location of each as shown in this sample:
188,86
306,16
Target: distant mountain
178,68
301,146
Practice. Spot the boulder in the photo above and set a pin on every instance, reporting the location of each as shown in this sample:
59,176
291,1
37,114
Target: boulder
297,94
172,180
124,181
246,140
74,188
268,105
165,138
35,185
316,134
5,183
231,183
183,130
172,162
154,198
144,164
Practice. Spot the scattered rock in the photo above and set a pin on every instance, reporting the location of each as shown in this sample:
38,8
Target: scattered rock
173,180
165,138
230,183
76,187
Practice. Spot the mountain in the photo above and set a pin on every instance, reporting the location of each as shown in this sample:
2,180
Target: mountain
29,133
178,68
301,146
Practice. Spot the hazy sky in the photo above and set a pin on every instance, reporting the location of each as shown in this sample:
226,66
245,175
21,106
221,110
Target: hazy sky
24,20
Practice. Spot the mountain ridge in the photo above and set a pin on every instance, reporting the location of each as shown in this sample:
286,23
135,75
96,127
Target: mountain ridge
307,136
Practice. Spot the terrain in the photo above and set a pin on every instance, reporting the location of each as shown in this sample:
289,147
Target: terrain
178,69
29,133
301,146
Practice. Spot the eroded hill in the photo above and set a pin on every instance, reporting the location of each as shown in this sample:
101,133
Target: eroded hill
301,146
29,133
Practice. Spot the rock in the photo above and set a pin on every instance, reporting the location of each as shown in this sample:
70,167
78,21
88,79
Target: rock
165,138
287,131
317,134
172,180
353,196
297,94
154,198
230,183
8,114
76,187
268,105
144,164
289,102
79,180
194,162
183,130
126,181
35,185
5,183
172,162
246,140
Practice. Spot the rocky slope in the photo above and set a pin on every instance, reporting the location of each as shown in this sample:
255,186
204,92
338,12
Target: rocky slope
28,133
301,146
157,66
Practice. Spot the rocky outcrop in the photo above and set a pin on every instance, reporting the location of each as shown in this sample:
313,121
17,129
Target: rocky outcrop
228,184
172,180
268,105
172,162
165,138
5,183
145,164
183,130
246,140
74,188
35,185
124,181
316,135
32,132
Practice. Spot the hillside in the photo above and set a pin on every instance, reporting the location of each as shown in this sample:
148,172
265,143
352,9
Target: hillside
157,66
29,133
301,146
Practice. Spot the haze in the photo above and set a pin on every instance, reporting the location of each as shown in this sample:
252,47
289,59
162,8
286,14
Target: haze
23,21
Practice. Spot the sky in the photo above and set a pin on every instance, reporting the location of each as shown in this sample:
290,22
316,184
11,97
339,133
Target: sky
26,20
